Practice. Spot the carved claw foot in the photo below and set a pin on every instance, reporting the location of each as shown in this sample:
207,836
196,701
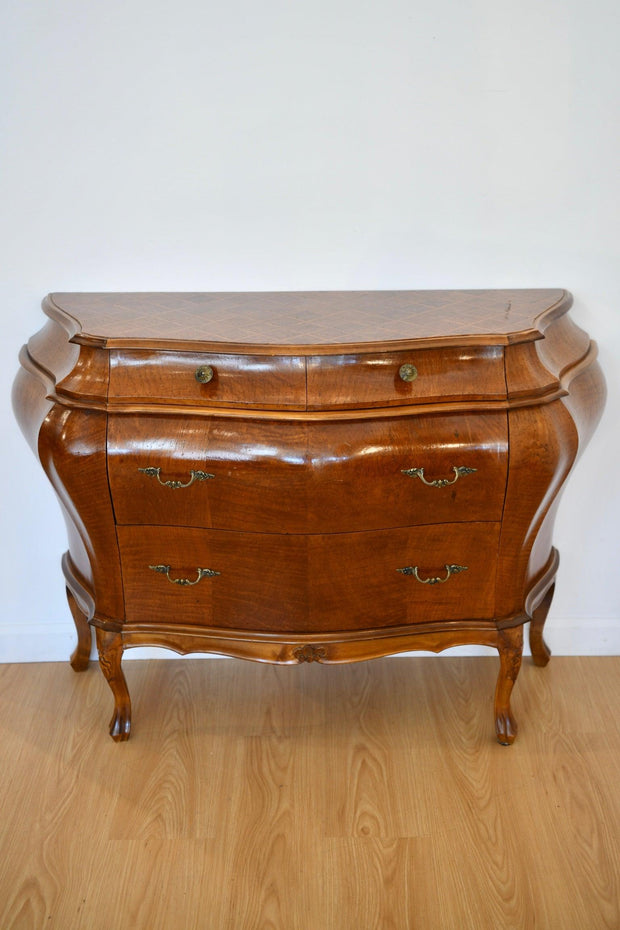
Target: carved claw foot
510,648
80,656
540,651
110,647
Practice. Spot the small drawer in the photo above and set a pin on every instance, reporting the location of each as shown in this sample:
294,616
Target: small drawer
412,377
335,476
309,584
207,380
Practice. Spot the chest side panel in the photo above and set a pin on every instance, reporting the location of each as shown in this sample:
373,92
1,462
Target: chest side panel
558,393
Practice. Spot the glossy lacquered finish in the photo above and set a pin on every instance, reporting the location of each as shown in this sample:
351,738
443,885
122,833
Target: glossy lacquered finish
308,583
247,381
309,477
450,373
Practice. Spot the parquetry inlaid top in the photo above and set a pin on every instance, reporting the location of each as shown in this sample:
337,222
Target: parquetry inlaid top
310,321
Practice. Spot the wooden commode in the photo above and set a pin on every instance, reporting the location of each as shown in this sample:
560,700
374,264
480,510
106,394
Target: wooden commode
300,477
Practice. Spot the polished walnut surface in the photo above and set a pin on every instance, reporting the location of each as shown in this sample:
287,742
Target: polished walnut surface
309,477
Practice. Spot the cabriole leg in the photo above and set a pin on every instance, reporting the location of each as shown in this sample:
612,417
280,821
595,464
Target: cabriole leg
510,646
80,656
540,651
110,647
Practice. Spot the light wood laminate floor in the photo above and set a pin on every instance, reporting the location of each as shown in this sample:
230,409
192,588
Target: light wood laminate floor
361,797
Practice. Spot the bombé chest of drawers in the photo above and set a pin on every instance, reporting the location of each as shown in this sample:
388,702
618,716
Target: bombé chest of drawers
301,477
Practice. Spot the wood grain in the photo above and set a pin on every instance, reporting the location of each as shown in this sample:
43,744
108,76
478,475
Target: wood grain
249,381
325,321
309,534
72,450
339,476
365,796
308,584
373,379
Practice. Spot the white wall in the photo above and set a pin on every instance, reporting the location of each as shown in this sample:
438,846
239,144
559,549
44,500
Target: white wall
299,145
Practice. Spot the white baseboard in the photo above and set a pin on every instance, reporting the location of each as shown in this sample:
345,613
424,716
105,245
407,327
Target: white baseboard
54,642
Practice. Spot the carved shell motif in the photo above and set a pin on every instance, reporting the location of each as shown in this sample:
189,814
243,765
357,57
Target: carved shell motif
309,653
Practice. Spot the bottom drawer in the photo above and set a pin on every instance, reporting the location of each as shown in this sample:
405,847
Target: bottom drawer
308,584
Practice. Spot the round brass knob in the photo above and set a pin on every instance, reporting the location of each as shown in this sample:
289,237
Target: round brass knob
408,372
204,374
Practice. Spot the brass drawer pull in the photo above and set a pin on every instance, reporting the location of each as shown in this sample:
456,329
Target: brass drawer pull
459,472
408,372
185,582
204,374
194,476
451,570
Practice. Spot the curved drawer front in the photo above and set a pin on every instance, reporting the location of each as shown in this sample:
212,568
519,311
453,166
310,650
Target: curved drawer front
312,583
274,476
413,377
449,374
143,376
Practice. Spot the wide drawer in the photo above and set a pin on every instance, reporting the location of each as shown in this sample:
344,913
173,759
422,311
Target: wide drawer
309,584
143,376
449,374
274,476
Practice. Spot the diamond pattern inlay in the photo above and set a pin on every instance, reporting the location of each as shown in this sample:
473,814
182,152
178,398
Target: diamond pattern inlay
311,318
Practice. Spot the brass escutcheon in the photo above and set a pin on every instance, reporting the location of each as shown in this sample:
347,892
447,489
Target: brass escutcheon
408,372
